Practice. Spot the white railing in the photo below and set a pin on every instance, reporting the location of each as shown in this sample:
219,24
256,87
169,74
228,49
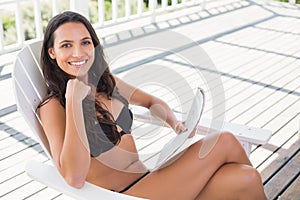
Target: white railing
83,6
15,7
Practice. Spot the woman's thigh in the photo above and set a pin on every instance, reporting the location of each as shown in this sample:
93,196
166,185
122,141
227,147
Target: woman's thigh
185,177
234,181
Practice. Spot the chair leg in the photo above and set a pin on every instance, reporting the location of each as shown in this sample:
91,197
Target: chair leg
246,146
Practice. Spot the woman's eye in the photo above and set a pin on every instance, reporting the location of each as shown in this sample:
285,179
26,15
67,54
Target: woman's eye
66,45
87,42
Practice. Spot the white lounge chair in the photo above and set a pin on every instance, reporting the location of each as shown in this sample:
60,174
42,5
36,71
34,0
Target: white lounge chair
30,88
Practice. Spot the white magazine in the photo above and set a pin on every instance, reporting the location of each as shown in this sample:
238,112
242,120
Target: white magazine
193,118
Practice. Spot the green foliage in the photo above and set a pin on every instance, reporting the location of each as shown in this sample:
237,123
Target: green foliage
28,21
93,9
7,22
9,29
297,1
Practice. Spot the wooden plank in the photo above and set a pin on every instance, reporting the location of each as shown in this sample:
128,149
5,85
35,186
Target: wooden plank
45,194
18,137
258,108
11,127
279,114
7,110
10,116
16,159
20,187
281,179
238,84
280,24
293,191
224,56
11,184
7,97
18,123
276,109
14,181
264,107
18,168
277,156
286,128
240,94
63,197
244,97
17,147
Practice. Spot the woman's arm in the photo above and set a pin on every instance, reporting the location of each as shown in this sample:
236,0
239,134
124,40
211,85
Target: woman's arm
66,134
157,107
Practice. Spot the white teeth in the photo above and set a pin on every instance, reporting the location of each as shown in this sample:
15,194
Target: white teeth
78,63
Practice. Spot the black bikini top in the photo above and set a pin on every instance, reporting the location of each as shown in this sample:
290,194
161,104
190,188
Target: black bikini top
100,142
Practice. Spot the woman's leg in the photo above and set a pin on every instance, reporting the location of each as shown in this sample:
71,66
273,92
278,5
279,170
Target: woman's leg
243,182
186,177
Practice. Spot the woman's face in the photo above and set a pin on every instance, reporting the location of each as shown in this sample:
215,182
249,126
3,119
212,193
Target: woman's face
73,49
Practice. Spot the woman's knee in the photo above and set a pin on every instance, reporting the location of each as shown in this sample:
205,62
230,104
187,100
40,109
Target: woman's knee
229,143
228,137
228,140
221,142
249,178
252,174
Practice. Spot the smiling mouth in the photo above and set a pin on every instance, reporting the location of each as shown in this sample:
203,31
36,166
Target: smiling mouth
78,63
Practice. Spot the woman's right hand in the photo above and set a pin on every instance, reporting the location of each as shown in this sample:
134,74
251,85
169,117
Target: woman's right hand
77,90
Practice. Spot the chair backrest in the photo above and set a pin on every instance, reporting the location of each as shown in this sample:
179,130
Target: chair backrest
30,89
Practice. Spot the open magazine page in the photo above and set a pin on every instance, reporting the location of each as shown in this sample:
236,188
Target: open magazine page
179,142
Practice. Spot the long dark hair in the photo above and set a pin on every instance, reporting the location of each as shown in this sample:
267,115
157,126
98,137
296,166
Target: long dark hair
99,75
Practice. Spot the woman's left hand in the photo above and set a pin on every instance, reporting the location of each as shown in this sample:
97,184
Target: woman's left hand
180,127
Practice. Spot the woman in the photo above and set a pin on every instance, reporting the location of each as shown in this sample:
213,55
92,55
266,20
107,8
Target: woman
99,148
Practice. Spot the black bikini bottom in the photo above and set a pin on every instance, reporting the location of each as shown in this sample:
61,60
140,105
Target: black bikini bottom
132,184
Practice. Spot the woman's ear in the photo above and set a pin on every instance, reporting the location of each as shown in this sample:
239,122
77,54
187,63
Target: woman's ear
51,53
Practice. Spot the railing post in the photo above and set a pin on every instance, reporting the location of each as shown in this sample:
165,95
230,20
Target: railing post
127,9
174,3
152,7
81,7
55,7
164,4
114,10
140,7
101,12
38,19
292,1
19,24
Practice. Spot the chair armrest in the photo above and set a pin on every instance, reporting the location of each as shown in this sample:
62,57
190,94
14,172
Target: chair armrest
243,133
49,175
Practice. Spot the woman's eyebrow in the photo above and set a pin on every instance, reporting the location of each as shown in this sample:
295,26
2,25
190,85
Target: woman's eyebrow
85,38
63,41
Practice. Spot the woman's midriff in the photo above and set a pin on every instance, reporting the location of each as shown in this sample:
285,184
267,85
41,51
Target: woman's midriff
117,168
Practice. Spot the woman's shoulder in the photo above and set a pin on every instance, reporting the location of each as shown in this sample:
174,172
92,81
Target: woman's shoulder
51,106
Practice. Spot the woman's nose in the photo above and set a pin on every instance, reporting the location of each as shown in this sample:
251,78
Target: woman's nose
77,51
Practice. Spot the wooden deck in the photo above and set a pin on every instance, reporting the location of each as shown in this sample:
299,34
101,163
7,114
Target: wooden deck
254,47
